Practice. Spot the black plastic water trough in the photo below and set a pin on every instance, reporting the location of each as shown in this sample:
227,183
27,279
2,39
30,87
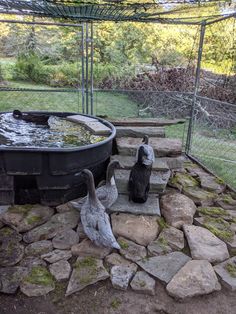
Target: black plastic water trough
47,175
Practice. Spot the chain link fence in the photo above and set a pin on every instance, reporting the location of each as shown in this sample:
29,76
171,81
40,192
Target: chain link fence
214,138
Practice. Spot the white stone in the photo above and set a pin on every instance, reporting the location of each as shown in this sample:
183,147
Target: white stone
121,276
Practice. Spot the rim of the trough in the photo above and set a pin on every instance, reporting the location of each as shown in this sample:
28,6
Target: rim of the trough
193,12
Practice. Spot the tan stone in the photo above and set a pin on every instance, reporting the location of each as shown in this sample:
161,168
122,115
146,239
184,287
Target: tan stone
140,229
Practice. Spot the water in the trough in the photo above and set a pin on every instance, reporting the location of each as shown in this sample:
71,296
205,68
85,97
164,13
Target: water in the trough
59,133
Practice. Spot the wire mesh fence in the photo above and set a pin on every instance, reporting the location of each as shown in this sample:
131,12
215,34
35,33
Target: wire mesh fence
214,138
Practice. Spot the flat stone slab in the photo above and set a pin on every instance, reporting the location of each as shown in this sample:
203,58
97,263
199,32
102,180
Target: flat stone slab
39,248
128,161
78,118
158,180
164,267
163,147
25,217
227,273
60,270
11,253
11,277
140,229
87,271
204,245
38,282
88,248
56,256
150,207
65,239
145,122
195,278
121,276
177,209
130,250
143,283
51,228
135,131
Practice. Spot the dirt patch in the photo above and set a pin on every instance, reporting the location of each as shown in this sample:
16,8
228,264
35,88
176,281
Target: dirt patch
101,298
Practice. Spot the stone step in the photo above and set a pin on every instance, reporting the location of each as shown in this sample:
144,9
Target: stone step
135,131
158,180
161,163
163,147
144,122
128,161
150,207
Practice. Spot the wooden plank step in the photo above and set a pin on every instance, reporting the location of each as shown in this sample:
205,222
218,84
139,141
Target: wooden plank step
144,122
163,147
136,131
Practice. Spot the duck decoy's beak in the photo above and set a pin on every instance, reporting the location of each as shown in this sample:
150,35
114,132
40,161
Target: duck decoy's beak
78,174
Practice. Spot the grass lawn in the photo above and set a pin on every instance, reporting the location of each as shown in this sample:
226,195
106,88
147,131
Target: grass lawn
105,103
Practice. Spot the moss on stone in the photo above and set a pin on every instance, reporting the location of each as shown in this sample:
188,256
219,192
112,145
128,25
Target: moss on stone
115,303
87,262
183,180
142,283
212,211
162,223
227,198
33,219
86,269
219,181
6,231
231,269
21,209
162,241
219,227
124,245
39,275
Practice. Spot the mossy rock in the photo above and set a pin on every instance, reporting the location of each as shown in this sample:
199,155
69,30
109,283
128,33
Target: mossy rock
199,196
87,271
231,269
183,180
212,211
219,227
38,282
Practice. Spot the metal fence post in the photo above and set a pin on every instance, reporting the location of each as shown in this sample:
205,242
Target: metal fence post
91,69
196,87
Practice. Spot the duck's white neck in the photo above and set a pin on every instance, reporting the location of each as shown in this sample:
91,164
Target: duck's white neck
112,181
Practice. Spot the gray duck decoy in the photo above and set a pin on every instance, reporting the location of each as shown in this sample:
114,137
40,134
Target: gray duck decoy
95,220
149,157
108,193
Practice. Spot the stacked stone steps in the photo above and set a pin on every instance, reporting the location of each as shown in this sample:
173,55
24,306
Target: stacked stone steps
136,131
145,122
163,147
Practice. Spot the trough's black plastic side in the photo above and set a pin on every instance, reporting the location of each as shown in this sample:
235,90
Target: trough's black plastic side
51,169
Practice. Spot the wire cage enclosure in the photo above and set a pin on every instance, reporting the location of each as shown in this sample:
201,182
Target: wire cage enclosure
197,95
